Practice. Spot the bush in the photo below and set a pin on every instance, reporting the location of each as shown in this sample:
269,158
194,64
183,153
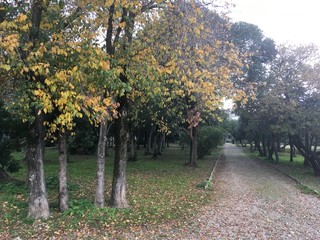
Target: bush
11,134
85,139
208,139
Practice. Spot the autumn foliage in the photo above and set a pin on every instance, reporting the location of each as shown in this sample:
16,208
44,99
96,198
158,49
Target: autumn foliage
111,61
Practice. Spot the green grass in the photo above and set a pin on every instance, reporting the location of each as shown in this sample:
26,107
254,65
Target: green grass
157,190
295,169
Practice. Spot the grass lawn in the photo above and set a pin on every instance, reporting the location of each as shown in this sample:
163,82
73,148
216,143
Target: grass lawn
157,190
295,169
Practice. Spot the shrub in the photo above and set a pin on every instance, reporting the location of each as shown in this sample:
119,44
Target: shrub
11,134
208,139
85,139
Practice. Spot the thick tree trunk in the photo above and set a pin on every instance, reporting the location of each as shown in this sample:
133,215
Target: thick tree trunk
63,188
118,195
38,201
101,159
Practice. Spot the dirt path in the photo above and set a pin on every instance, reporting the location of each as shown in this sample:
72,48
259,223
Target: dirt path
254,202
257,202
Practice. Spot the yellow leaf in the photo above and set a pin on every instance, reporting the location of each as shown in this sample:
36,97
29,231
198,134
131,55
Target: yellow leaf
22,17
169,71
47,81
122,24
5,67
36,92
105,65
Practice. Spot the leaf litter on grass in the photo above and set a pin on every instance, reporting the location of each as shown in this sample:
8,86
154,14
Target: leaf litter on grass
160,193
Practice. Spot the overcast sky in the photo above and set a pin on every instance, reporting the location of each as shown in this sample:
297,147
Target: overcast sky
291,21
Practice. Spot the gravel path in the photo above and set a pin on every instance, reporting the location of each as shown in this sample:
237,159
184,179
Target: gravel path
253,202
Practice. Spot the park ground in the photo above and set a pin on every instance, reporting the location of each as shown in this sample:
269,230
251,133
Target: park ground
249,199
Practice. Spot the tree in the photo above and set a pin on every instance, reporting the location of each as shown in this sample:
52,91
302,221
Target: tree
202,63
52,69
11,135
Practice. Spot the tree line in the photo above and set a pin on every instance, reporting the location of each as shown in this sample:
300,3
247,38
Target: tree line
283,111
165,64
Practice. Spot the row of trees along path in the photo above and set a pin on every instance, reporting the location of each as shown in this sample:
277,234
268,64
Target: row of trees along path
171,62
253,201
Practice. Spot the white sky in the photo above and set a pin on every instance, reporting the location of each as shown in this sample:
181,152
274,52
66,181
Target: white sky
285,21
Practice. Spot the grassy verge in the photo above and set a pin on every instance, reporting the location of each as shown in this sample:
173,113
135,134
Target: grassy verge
158,190
295,169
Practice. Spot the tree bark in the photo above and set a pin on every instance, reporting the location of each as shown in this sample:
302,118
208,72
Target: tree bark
162,143
291,149
264,147
257,145
101,159
310,156
149,145
118,194
251,147
194,147
38,201
306,143
315,144
270,149
275,148
63,187
132,147
155,145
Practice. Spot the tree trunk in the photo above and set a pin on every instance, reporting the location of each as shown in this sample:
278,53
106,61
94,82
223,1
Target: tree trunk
315,144
155,145
149,145
306,143
291,149
251,147
101,159
311,142
118,195
132,148
63,188
161,143
310,156
270,149
264,147
275,148
278,144
257,145
194,147
38,201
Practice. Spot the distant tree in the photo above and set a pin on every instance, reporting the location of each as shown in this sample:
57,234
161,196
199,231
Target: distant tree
11,139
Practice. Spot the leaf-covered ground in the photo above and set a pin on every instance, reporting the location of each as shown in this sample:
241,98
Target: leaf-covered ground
250,201
159,191
253,201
